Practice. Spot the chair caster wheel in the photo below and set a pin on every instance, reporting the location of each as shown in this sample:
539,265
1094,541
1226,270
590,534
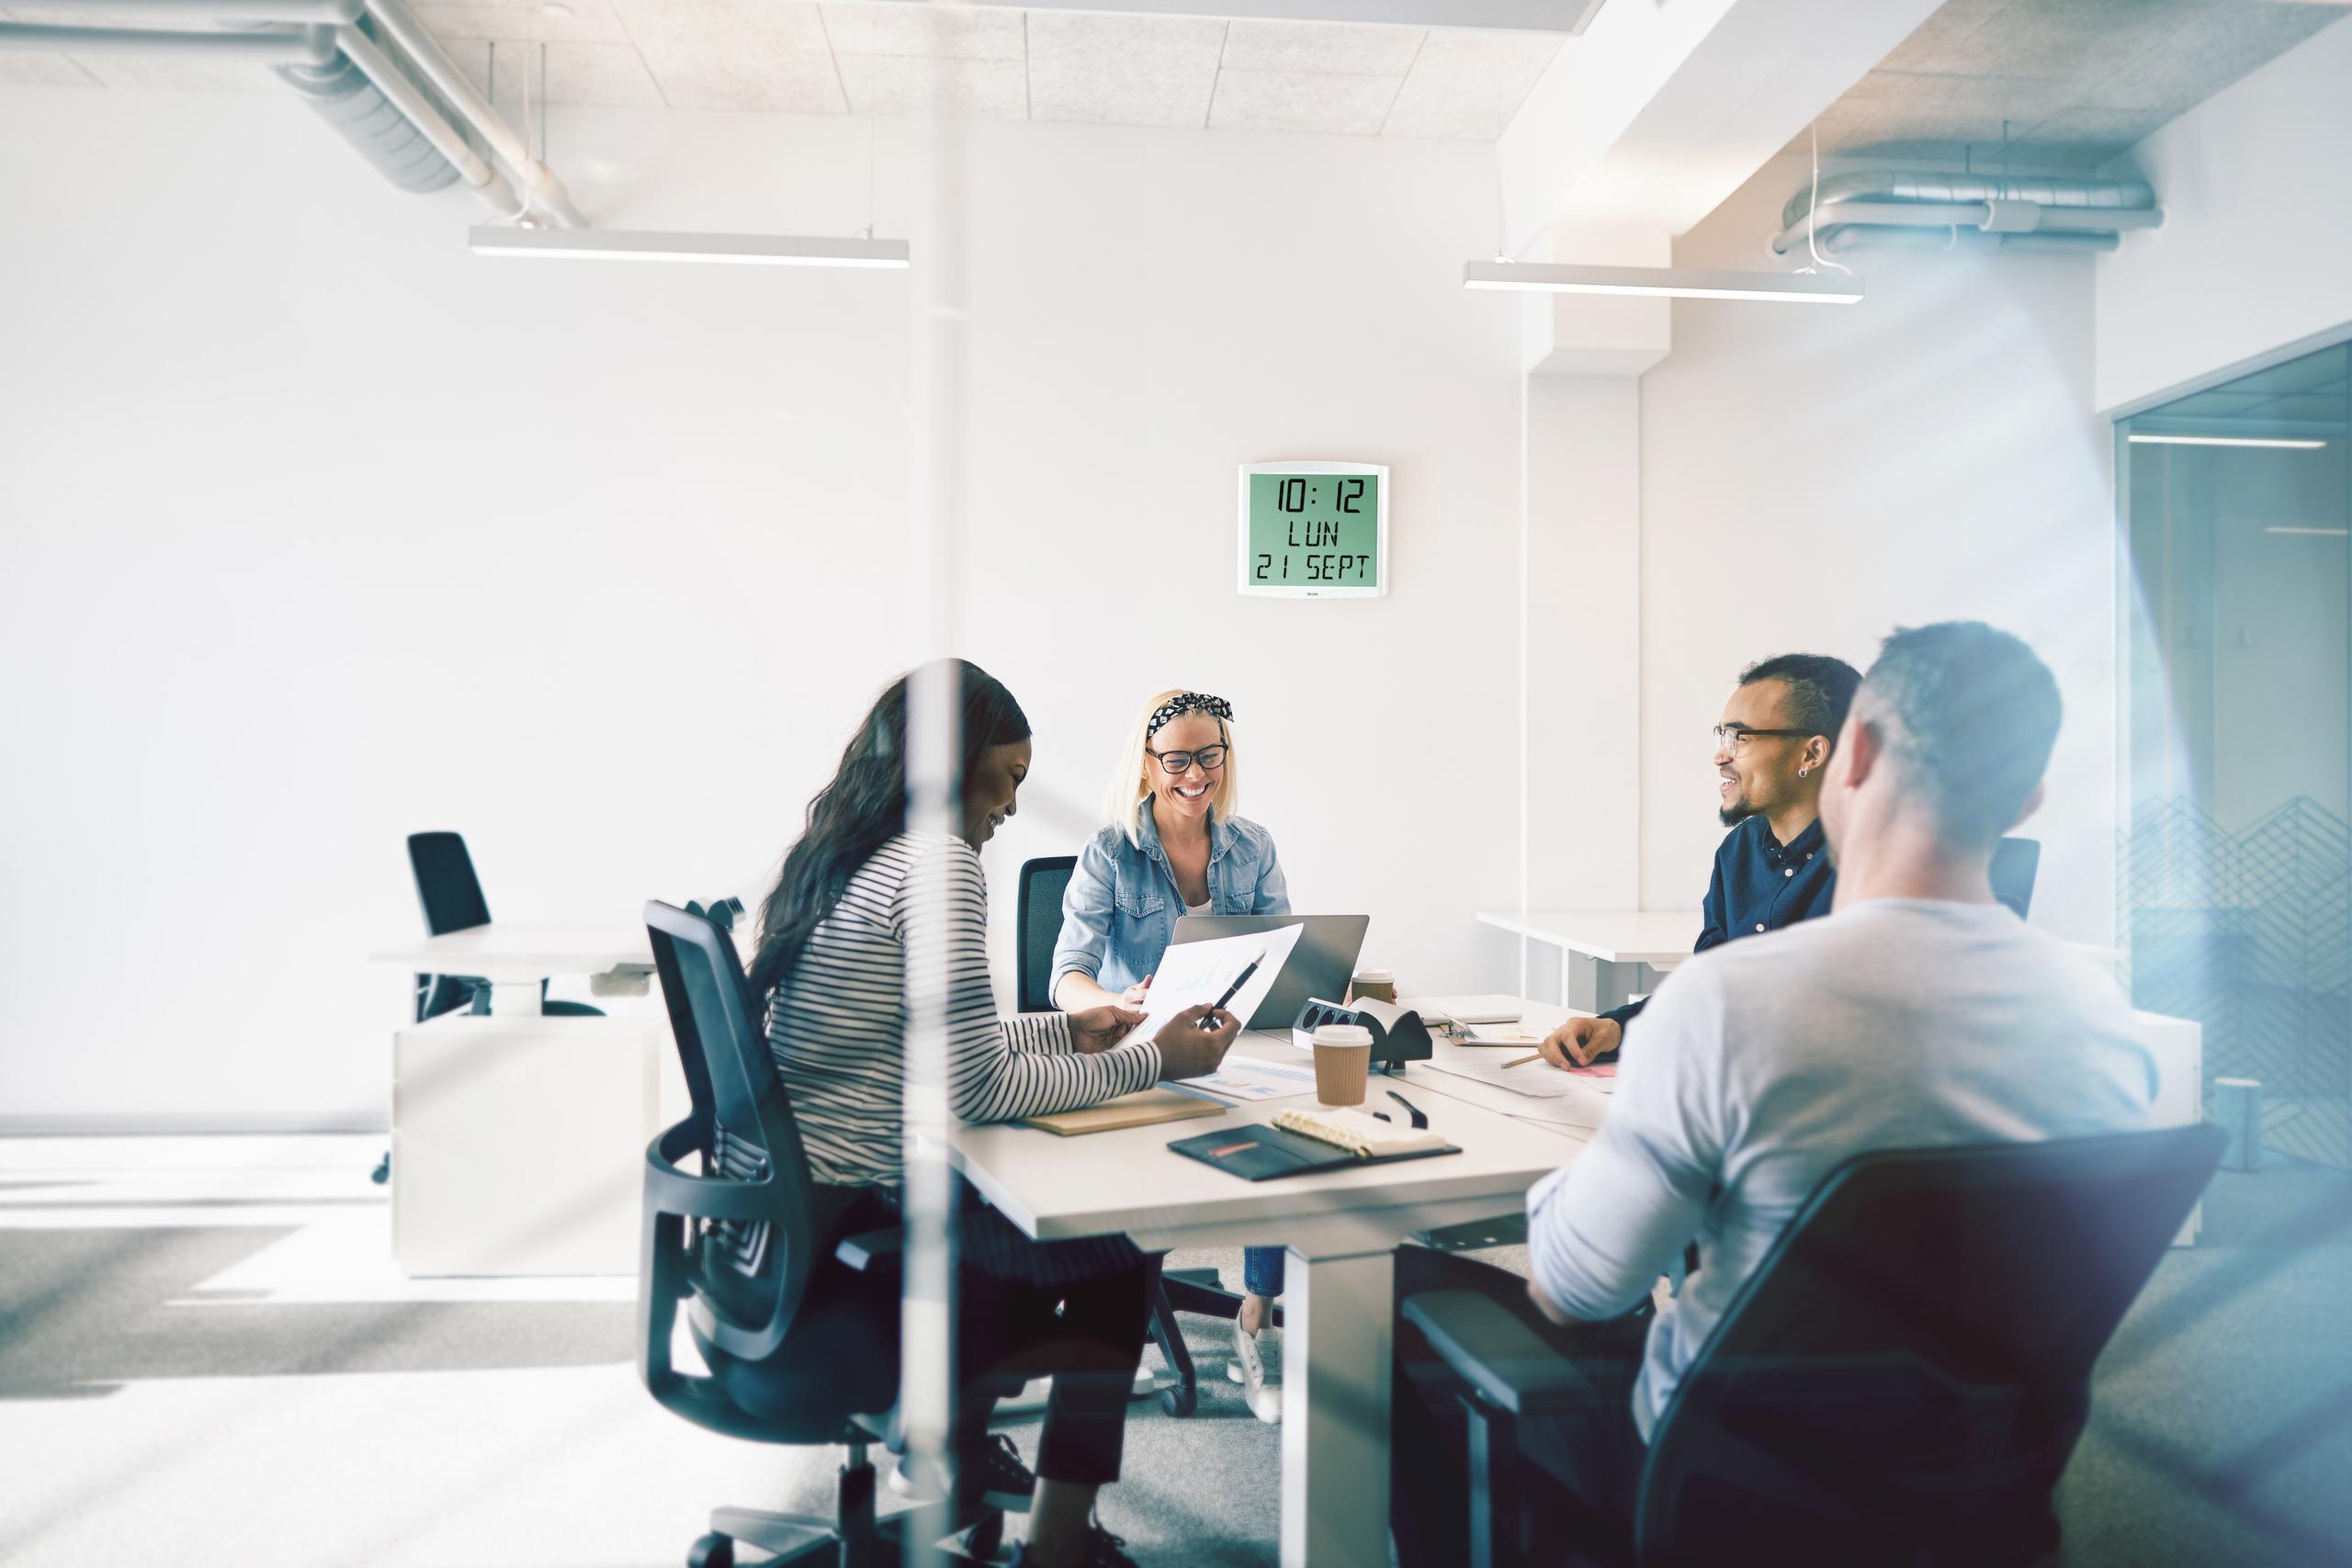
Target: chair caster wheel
1178,1400
712,1552
983,1540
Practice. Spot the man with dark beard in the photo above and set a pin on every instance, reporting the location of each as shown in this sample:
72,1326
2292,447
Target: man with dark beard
1771,745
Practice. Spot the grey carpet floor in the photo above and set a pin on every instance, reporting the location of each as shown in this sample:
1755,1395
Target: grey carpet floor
224,1369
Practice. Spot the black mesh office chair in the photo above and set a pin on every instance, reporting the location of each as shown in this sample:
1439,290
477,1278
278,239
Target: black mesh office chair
452,898
1900,1382
801,1348
1042,882
2014,860
1172,1291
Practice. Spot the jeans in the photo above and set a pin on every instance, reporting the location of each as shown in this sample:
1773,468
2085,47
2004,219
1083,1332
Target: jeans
1261,1270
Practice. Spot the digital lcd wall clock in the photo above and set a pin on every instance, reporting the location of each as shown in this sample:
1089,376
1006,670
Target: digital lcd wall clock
1314,529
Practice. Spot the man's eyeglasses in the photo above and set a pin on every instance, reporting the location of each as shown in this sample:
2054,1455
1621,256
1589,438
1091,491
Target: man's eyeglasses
1734,738
1210,758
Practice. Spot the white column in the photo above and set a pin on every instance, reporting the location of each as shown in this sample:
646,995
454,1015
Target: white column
1336,1315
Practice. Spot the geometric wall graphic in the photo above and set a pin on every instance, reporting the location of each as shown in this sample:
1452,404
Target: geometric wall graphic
2250,933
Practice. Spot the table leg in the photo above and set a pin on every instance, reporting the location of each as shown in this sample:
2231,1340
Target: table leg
515,999
1336,1315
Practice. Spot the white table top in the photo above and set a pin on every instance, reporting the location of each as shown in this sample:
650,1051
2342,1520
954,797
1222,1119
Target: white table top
506,950
1130,1181
1658,937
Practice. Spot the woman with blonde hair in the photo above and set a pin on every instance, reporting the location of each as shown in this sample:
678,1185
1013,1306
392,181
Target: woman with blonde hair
1174,846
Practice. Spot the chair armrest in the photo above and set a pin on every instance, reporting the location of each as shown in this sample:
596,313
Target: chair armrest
872,1249
1509,1365
672,1191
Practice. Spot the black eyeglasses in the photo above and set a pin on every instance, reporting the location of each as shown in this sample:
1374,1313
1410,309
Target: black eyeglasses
1731,738
1210,758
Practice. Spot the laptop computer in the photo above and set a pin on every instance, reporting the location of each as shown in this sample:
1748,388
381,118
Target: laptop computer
1320,965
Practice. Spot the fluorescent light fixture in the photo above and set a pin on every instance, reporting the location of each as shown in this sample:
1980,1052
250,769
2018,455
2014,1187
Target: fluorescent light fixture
2294,445
1663,282
2311,533
619,244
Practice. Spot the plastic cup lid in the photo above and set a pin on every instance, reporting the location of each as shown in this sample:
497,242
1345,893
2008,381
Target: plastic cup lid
1375,978
1343,1034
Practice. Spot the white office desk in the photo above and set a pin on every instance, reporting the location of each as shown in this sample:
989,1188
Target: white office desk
516,958
518,1140
1607,956
1341,1228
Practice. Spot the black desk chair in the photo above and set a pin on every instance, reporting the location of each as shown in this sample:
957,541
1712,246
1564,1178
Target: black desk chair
1900,1382
452,897
802,1349
1183,1289
2014,860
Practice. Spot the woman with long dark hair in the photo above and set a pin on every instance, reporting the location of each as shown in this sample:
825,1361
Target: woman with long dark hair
857,892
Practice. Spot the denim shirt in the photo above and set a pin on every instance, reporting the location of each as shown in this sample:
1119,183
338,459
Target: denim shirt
1120,909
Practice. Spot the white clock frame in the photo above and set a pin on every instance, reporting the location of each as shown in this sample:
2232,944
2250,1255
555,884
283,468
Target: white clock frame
1314,590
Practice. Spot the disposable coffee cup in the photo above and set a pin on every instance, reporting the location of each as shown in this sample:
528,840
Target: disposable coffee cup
1380,984
1342,1061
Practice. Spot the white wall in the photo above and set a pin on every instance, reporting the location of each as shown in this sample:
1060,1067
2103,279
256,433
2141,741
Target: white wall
320,531
1813,477
2255,253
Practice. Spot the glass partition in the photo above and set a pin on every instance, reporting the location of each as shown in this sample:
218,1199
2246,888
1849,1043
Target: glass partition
2237,737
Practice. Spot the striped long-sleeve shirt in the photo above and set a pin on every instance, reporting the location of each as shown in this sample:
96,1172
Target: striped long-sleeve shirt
838,1026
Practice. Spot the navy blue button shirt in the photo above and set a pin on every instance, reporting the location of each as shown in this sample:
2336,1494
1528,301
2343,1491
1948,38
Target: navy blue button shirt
1759,885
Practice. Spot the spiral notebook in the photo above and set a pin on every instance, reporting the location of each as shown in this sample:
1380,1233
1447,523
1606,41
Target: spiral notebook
1303,1141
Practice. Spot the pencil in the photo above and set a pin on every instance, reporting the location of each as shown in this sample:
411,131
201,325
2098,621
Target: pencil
1522,1061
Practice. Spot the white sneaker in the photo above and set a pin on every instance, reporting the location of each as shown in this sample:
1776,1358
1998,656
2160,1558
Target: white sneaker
1247,1368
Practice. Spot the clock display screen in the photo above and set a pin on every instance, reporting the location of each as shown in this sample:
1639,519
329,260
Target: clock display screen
1314,531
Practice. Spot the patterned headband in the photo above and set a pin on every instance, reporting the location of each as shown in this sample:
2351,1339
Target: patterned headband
1184,703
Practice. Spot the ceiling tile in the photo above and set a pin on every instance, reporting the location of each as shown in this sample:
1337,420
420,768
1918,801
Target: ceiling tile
1468,85
2109,131
736,54
2210,52
180,73
1122,70
2063,37
38,68
2034,156
1933,41
576,73
971,89
929,32
1302,100
588,21
1346,48
1974,107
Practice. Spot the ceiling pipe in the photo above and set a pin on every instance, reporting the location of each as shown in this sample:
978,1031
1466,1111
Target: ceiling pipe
268,46
1837,225
2053,213
487,183
328,12
547,193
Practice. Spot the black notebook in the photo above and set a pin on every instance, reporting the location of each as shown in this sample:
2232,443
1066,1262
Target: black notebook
1256,1153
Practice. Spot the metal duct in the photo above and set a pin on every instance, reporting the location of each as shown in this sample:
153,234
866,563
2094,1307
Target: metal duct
2034,211
372,123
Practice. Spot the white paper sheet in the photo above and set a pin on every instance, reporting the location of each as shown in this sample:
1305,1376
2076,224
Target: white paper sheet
1248,1079
1191,972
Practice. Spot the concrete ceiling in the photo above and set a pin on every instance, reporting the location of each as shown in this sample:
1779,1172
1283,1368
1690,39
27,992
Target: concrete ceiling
893,58
2075,81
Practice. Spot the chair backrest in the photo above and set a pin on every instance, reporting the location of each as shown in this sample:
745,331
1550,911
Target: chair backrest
751,1271
1042,881
446,883
2014,863
1905,1375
